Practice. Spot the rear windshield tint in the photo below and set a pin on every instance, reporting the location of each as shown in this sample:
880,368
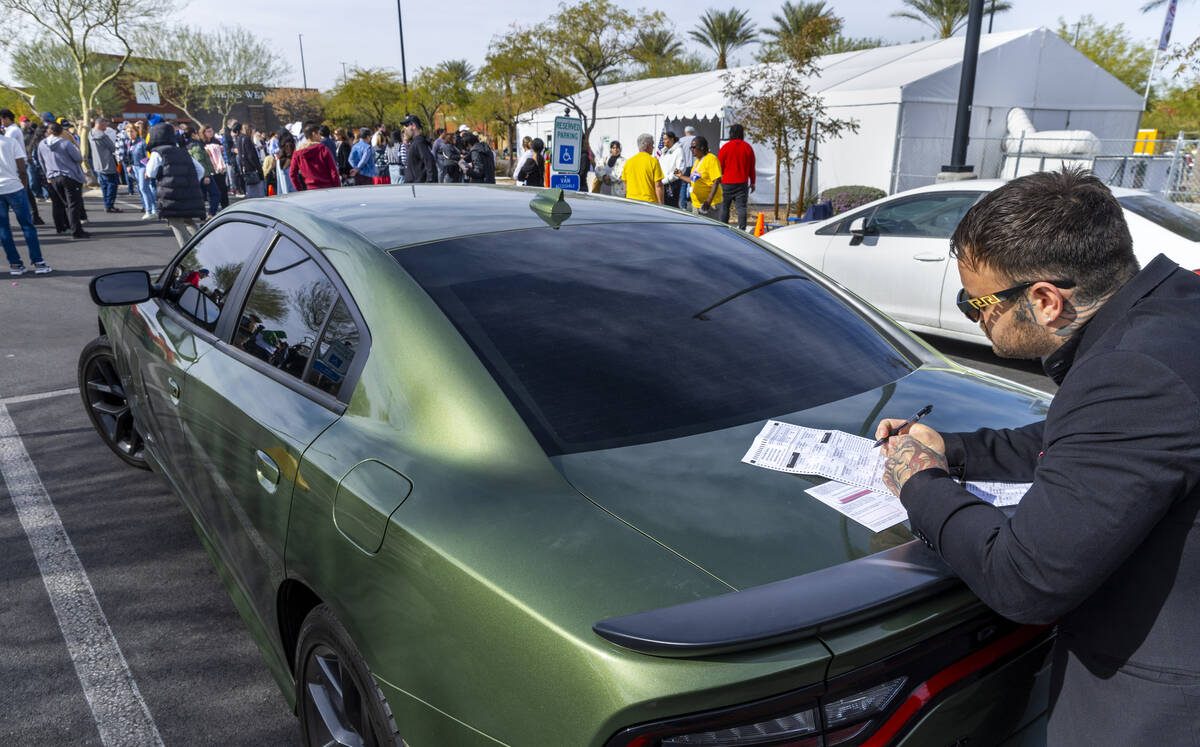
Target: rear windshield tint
612,335
1177,220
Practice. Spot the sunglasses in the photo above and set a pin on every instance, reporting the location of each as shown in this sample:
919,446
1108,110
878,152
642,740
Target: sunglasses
973,307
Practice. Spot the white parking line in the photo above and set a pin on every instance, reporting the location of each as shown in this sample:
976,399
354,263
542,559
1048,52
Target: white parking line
39,395
117,706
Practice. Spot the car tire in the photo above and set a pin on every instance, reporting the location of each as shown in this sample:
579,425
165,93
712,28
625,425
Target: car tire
337,699
107,405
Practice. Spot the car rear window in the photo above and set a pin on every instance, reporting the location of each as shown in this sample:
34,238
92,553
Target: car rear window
611,335
1176,219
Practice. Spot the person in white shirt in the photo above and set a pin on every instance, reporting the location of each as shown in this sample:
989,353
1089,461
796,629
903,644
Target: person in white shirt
14,131
13,195
670,161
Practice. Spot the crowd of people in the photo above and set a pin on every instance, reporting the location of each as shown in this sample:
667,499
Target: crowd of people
676,171
185,174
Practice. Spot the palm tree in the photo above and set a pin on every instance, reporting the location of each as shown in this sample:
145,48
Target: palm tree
460,69
795,17
723,32
946,17
650,46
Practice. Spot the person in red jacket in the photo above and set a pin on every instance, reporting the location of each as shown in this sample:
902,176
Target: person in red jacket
313,168
737,174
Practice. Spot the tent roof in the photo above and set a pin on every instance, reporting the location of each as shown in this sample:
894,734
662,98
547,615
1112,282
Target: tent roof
922,71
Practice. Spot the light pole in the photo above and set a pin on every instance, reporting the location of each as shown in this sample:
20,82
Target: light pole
966,94
403,66
343,73
303,74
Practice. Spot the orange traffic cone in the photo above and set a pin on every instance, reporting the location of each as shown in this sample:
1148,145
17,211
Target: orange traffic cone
760,225
270,190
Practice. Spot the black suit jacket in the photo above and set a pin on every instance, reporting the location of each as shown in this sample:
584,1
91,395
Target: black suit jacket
1106,542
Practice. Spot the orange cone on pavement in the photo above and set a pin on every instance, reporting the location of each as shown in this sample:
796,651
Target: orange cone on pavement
760,225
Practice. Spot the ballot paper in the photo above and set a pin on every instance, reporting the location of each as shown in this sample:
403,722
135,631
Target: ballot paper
874,510
855,470
837,455
999,493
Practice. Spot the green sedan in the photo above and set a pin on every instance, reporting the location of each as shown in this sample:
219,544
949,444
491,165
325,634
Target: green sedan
469,460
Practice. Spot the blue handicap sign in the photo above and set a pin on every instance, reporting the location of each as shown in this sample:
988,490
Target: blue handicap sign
567,182
566,154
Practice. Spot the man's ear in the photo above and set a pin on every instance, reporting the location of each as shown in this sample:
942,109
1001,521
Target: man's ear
1048,304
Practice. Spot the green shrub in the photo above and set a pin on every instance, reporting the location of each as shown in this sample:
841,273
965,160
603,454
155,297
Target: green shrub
847,198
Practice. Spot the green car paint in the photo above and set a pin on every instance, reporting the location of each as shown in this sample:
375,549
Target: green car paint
468,565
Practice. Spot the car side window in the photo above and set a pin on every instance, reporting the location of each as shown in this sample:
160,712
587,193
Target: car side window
933,216
286,309
842,227
198,284
335,352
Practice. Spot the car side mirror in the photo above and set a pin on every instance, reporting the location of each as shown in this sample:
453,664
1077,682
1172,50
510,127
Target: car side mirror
193,301
858,229
123,288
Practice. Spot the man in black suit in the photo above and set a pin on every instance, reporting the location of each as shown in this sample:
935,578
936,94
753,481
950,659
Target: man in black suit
1106,542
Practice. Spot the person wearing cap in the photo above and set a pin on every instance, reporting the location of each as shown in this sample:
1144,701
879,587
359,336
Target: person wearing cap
421,168
13,189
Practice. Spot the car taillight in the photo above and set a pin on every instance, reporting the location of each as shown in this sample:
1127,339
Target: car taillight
803,724
870,714
837,721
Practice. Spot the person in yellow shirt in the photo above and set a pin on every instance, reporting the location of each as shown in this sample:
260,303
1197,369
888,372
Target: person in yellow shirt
705,176
643,175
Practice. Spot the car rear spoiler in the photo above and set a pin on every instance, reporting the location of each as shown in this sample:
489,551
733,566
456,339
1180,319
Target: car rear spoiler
787,610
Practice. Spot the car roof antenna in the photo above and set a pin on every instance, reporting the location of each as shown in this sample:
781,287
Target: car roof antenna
551,206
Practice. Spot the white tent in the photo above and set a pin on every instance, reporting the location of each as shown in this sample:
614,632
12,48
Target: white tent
903,97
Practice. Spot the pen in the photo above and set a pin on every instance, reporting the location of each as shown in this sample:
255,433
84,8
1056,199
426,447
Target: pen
920,414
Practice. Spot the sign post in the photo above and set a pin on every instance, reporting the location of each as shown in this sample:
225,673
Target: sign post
568,149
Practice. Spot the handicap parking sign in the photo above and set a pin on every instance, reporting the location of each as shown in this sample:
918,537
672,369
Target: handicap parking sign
568,142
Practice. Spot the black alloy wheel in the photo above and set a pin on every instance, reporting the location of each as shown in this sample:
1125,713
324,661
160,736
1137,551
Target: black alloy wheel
106,404
338,700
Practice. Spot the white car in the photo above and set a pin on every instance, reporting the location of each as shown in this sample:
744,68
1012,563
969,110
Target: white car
895,252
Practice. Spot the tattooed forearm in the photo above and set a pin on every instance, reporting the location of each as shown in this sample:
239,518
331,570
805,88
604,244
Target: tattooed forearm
906,457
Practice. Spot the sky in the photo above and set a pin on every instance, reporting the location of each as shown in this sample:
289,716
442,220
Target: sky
365,33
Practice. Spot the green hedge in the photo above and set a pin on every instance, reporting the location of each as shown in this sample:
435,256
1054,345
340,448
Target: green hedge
848,198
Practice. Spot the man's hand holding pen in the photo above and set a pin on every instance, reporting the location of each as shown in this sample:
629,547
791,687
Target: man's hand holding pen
916,447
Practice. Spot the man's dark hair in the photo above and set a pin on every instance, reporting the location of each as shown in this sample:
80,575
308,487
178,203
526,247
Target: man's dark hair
236,126
7,114
310,132
364,133
324,130
737,132
55,129
1052,225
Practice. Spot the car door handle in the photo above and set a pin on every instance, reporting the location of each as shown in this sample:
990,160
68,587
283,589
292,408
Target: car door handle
173,390
266,470
930,257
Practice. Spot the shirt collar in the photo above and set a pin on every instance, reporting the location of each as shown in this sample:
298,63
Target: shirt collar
1057,364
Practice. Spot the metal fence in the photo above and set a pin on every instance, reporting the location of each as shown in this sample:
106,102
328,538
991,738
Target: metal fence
1165,167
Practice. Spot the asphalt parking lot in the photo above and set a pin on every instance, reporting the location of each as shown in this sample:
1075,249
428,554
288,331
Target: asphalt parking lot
116,627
